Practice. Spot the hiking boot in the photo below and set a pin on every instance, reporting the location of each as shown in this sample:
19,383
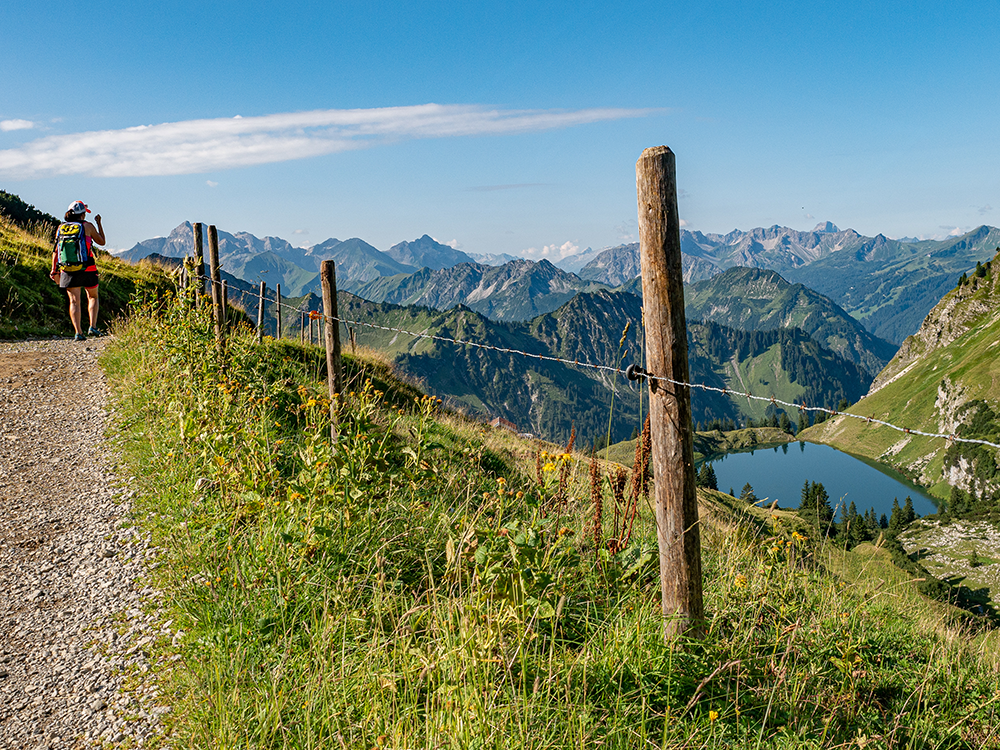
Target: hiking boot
95,332
79,337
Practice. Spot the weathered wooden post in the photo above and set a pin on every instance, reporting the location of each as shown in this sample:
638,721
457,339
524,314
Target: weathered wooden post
199,267
354,340
260,313
302,326
277,308
218,309
328,278
677,524
225,305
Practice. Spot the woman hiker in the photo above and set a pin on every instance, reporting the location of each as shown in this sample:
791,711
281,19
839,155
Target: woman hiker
74,266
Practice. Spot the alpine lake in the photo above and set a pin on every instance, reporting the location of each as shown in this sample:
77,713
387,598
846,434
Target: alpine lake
778,473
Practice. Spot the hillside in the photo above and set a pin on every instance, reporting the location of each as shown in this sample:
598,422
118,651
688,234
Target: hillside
32,305
549,398
428,582
754,299
930,385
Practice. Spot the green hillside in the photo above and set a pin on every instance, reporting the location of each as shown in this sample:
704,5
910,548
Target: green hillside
551,398
951,362
423,581
755,299
32,305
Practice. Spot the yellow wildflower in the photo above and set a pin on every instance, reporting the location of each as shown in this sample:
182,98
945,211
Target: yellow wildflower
713,715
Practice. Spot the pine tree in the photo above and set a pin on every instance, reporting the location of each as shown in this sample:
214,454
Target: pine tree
896,523
747,495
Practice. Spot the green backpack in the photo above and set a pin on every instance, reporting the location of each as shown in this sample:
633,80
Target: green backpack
71,245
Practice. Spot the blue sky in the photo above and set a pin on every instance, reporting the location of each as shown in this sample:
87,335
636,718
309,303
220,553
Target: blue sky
505,127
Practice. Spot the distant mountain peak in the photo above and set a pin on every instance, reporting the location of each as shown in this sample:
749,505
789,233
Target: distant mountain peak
826,226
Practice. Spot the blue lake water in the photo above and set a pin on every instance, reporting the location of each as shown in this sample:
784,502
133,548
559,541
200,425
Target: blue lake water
778,474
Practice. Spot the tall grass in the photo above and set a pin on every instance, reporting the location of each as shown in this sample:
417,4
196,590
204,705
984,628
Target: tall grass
413,584
32,305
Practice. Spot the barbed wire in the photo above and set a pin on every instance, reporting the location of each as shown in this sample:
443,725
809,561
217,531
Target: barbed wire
635,374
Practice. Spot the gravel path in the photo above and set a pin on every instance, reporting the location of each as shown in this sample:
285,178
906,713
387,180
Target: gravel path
75,611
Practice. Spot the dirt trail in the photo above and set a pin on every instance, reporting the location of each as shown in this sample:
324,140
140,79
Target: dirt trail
75,611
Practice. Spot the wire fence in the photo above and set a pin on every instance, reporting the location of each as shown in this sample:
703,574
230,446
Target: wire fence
630,373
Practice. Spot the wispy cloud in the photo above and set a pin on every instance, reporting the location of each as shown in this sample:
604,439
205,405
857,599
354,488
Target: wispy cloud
211,183
7,125
552,252
198,146
983,210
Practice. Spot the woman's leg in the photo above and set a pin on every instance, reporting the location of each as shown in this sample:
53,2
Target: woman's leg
92,305
74,307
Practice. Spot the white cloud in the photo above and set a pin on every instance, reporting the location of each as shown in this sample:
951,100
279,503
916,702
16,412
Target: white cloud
552,252
683,223
6,125
301,231
983,210
454,244
211,183
198,146
625,231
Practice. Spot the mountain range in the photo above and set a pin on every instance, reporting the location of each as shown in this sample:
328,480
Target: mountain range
887,285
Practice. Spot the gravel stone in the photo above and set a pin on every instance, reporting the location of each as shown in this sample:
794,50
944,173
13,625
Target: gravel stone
73,585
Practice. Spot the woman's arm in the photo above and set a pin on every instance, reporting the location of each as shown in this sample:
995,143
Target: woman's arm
96,233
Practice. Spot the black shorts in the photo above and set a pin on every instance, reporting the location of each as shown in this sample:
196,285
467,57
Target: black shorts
86,279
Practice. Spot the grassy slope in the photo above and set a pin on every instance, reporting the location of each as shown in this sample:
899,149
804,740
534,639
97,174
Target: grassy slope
421,587
32,305
972,361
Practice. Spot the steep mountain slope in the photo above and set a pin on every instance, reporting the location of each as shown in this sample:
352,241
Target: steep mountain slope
618,265
272,269
754,299
518,290
357,262
930,385
426,252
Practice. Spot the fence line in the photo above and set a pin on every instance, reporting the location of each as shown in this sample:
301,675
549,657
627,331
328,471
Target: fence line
633,374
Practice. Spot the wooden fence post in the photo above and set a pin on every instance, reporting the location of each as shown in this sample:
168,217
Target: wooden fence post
328,277
218,309
278,308
199,267
225,304
260,313
677,526
302,326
